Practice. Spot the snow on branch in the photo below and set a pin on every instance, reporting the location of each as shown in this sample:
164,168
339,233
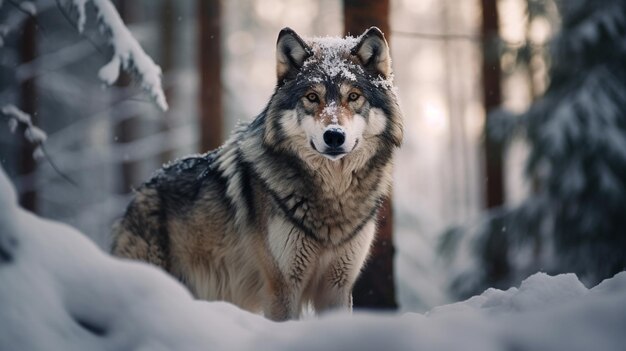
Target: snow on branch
28,7
127,53
4,30
32,133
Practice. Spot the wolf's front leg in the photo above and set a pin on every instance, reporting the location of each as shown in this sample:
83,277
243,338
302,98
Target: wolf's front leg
335,287
293,257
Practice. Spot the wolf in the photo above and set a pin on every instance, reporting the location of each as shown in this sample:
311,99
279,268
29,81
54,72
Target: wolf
282,216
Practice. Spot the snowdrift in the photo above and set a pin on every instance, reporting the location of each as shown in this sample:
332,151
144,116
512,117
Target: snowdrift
58,291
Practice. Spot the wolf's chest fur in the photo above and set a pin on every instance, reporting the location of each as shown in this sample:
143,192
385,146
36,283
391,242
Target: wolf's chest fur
329,203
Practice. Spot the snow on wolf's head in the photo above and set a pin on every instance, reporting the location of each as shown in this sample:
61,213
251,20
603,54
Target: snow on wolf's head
334,98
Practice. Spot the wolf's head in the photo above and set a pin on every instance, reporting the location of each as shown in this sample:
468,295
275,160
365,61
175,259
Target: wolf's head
334,98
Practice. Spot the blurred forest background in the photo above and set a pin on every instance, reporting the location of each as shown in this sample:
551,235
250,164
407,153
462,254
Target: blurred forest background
515,145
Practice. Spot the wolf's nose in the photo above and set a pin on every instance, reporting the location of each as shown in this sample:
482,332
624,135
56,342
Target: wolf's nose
334,137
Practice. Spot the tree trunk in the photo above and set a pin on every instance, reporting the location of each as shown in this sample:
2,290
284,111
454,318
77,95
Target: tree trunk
168,25
492,97
126,130
28,95
375,286
210,62
496,254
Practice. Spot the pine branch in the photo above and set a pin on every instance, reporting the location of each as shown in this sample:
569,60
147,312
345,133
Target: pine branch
33,134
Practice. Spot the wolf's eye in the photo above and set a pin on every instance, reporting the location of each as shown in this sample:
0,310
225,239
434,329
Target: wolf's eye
312,97
353,96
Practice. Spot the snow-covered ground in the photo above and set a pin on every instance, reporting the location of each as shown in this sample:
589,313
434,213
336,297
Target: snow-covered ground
58,291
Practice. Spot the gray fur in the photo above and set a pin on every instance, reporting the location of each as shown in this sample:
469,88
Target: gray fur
266,221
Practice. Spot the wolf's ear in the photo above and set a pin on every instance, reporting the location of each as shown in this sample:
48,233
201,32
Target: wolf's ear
291,51
373,52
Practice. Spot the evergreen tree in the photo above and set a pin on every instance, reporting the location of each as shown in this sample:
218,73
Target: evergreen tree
575,219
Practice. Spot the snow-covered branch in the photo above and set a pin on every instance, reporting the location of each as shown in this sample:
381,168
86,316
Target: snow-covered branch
28,7
127,53
32,133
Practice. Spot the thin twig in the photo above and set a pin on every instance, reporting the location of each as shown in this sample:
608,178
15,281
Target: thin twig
19,8
30,15
73,24
54,166
462,37
437,36
46,155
